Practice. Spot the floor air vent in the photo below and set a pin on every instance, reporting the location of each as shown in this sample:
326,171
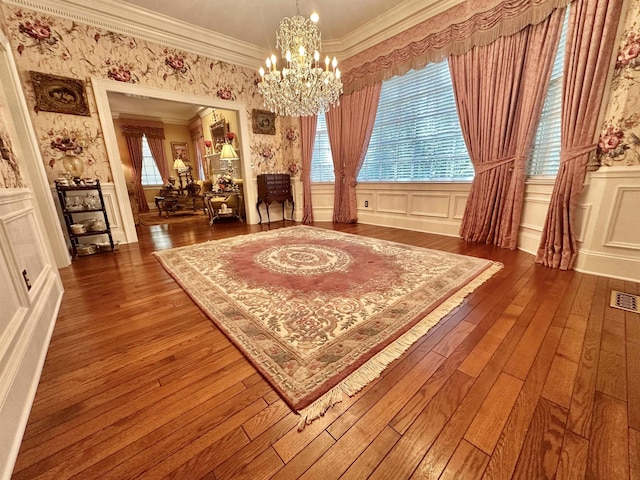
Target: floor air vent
625,301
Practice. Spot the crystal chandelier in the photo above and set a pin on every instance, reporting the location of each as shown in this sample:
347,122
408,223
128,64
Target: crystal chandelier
303,87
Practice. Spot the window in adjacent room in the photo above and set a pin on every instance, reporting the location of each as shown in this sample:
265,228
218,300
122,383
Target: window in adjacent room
322,162
545,154
417,135
150,173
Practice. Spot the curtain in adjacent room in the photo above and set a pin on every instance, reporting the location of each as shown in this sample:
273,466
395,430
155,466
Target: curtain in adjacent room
134,145
156,145
197,137
307,140
591,37
133,130
500,89
349,127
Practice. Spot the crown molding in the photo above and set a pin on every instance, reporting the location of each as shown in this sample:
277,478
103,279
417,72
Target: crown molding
406,15
147,25
165,120
206,111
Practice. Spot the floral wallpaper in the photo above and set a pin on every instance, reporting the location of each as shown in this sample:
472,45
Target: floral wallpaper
10,176
619,142
57,46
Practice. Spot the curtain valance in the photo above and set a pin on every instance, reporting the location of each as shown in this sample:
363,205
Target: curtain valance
137,128
195,129
452,32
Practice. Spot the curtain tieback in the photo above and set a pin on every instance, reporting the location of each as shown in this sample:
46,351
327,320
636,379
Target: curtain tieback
576,152
483,167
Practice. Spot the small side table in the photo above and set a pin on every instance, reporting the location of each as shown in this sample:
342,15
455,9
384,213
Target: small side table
222,197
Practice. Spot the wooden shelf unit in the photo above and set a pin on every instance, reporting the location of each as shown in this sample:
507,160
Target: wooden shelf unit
68,214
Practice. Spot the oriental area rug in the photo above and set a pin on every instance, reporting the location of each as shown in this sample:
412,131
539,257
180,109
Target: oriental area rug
322,313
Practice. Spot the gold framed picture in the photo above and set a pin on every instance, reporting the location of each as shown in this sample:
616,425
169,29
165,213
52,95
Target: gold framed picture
264,122
180,150
59,94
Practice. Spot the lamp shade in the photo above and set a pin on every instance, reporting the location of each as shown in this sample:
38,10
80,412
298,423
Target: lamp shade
178,164
228,153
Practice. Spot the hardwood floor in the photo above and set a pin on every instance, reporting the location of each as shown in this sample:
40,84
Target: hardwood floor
533,376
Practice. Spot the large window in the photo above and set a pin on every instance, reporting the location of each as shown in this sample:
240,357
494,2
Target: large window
417,134
545,154
321,162
150,172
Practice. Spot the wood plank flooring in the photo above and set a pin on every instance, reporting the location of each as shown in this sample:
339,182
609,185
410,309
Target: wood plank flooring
534,376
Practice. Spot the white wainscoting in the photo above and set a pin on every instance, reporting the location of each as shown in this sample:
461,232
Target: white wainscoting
607,229
611,234
424,207
29,298
433,208
537,195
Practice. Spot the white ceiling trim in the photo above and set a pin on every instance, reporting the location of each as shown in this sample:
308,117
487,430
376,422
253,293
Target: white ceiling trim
167,120
408,14
126,19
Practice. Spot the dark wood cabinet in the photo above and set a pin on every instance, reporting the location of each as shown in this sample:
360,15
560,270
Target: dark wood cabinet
274,187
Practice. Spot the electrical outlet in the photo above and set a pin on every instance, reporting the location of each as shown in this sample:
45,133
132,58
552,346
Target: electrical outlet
366,204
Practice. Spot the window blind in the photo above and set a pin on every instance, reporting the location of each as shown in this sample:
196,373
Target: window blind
150,172
321,161
544,159
417,136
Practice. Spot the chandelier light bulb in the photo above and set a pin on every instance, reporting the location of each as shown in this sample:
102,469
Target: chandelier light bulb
334,62
273,60
314,17
268,63
301,51
288,56
261,72
316,55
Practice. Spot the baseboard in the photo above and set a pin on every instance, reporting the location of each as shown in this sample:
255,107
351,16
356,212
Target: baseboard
528,242
608,265
438,227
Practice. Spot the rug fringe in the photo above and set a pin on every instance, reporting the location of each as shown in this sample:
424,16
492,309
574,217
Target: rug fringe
372,369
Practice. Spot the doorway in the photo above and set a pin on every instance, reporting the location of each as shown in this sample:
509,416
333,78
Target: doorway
102,89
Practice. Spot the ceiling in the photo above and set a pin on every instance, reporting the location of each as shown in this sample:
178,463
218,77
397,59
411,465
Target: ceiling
244,31
256,21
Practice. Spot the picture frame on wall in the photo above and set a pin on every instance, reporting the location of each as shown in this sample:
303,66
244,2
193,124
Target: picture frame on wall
180,150
264,122
59,94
